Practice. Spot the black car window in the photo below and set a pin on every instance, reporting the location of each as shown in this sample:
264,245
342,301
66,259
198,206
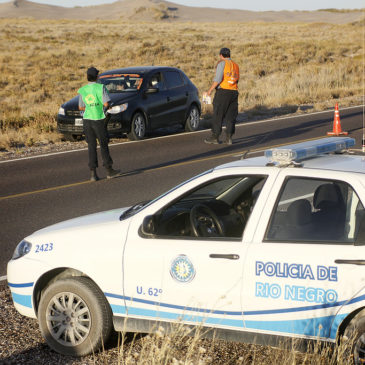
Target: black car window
173,79
316,210
156,81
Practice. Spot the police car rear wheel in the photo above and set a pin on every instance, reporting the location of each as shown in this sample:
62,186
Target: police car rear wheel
193,119
138,127
74,316
355,336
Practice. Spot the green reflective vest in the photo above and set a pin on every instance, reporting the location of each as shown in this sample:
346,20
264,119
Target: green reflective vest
92,96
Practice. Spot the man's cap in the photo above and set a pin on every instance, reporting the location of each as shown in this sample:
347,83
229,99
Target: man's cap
225,51
93,72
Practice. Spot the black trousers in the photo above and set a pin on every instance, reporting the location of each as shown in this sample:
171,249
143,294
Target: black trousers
96,130
225,109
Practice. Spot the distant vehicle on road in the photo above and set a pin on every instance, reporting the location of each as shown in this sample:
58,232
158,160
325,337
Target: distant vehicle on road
143,98
263,250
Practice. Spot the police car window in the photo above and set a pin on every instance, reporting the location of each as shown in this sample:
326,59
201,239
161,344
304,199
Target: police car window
219,209
173,79
316,210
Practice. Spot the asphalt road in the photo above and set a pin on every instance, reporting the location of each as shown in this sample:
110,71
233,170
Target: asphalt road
39,191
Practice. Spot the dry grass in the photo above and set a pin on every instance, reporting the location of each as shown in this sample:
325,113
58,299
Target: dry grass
182,346
283,66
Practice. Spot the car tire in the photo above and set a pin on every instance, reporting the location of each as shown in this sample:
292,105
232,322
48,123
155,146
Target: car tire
355,336
192,122
79,327
138,127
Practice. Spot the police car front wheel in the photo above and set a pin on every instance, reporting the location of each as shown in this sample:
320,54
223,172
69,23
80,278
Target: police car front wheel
74,316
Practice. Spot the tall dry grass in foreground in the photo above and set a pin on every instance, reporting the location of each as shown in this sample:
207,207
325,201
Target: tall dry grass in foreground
184,347
283,66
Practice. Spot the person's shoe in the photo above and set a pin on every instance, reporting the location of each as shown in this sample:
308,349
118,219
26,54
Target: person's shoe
228,139
94,176
112,173
212,140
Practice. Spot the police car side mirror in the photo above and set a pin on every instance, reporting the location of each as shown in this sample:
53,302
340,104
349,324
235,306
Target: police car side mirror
148,227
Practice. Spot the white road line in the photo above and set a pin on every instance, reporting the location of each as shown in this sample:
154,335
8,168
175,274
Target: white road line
239,125
2,278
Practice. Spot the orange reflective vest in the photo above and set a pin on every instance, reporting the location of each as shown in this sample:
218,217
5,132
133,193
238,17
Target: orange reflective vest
231,76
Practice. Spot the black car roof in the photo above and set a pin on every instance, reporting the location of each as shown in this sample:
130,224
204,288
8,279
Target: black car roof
141,70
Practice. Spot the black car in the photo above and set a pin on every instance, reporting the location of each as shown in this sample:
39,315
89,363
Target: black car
143,98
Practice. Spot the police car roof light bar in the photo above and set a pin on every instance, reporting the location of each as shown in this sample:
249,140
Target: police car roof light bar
300,151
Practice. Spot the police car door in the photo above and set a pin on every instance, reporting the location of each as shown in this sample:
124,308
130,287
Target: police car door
298,278
172,275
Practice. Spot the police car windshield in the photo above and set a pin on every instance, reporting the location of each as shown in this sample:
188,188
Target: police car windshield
214,189
139,206
121,83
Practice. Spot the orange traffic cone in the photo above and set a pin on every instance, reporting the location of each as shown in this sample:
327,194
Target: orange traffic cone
337,125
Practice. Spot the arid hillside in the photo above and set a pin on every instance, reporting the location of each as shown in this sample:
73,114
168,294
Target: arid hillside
135,11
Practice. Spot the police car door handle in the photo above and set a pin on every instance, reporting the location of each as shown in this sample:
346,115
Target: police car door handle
350,262
231,256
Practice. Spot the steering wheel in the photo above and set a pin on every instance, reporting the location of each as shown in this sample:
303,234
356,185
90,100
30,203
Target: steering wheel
204,222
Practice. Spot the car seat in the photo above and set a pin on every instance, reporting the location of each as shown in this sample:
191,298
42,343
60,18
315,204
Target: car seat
293,225
299,221
329,217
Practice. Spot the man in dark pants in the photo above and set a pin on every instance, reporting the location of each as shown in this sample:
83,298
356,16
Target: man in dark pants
225,103
93,98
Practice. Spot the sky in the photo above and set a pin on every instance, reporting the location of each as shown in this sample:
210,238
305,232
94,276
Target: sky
257,5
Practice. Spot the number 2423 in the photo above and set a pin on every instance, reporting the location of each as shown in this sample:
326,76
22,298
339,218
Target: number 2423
44,248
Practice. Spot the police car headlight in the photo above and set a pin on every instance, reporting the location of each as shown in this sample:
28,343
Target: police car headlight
118,108
61,111
22,249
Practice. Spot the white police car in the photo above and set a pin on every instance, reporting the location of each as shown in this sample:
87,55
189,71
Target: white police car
262,249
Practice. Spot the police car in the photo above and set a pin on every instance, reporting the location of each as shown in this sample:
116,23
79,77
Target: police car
263,249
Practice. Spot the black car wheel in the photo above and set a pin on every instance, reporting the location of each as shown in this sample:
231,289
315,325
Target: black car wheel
138,127
193,119
72,137
74,316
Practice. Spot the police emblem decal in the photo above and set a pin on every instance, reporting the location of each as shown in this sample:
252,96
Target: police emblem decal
182,269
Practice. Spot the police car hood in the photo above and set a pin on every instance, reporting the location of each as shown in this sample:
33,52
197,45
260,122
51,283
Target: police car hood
84,222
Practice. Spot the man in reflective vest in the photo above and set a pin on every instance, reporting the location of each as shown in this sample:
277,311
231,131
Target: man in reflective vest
93,98
225,103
